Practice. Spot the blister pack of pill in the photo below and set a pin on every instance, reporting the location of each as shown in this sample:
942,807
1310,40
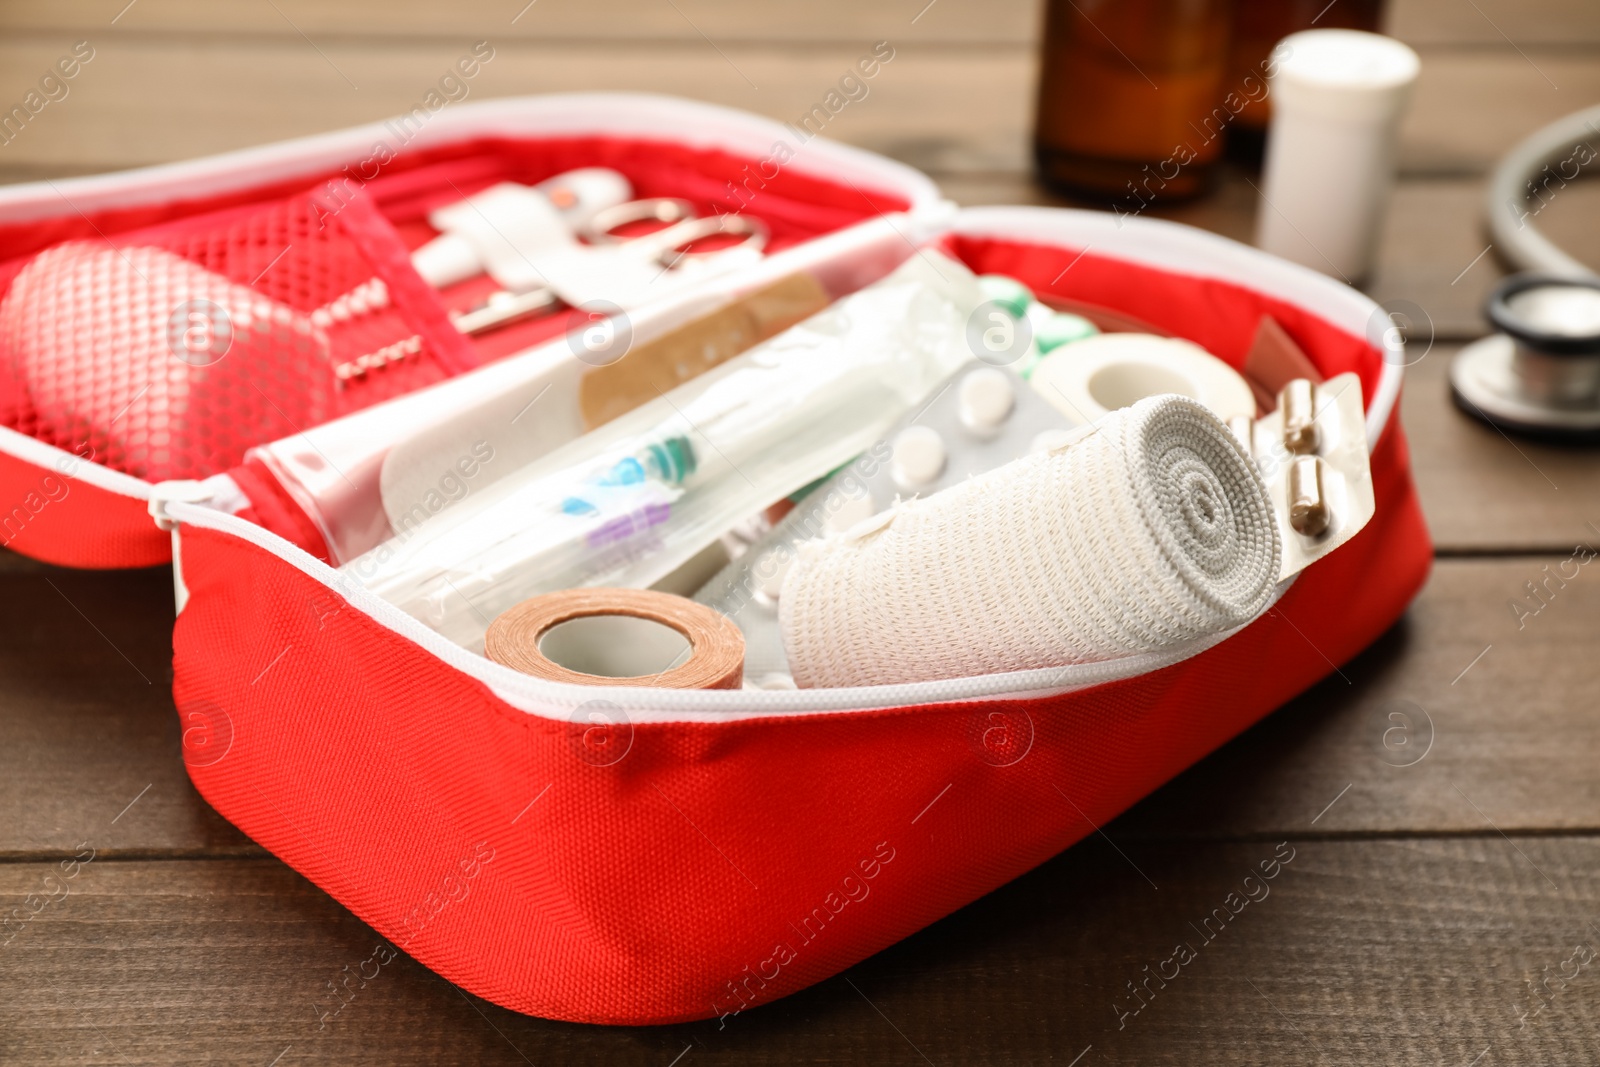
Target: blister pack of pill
1313,455
981,418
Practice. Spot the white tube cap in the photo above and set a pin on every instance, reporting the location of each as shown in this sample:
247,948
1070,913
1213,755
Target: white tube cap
446,260
1344,75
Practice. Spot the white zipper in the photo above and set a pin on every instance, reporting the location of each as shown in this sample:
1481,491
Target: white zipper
554,700
1164,245
1167,246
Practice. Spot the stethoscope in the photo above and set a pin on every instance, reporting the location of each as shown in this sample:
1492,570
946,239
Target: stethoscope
669,247
1540,374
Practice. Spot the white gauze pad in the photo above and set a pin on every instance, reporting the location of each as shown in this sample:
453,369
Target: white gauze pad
1152,530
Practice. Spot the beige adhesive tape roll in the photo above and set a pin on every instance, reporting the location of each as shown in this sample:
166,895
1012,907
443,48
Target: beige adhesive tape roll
632,637
1088,379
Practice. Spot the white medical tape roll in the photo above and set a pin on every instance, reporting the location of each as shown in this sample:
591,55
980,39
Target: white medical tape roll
1147,532
1091,377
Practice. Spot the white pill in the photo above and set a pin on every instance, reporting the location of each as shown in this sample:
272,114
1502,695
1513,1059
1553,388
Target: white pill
985,399
1050,439
775,680
771,572
845,511
918,455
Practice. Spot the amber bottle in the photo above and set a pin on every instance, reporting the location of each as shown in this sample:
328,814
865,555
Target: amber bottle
1129,97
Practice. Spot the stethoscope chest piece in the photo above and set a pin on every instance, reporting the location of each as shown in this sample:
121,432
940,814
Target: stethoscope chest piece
1541,373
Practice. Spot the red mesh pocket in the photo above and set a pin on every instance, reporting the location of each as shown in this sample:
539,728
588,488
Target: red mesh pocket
168,352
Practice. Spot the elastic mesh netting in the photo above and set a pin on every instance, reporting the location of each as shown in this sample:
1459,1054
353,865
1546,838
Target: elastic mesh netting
167,352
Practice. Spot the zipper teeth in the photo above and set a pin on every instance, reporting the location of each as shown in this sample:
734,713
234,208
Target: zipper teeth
709,706
541,698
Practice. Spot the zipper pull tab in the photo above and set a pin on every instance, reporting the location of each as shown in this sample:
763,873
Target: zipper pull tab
182,491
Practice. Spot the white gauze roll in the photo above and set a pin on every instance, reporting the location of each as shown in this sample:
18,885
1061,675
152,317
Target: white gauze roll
1153,530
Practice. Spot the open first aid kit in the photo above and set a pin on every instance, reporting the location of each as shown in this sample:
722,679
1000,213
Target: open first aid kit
643,559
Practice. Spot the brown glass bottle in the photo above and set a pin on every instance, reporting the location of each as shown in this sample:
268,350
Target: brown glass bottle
1127,92
1257,26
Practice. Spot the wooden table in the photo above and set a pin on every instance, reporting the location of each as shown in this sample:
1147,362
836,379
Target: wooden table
1427,895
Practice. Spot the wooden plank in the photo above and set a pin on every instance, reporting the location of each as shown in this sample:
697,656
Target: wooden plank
1487,491
1434,263
1494,22
145,100
683,21
88,727
1418,22
1471,105
1398,951
1466,717
945,109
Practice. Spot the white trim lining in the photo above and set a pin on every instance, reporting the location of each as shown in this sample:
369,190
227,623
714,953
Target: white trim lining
34,451
555,700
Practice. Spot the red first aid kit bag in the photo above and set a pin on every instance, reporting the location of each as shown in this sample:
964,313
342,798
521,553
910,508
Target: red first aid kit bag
692,854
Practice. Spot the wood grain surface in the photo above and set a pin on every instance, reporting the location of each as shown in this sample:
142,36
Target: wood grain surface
1398,950
203,78
1561,23
1439,793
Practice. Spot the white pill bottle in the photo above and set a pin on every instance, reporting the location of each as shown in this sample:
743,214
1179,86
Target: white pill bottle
1337,100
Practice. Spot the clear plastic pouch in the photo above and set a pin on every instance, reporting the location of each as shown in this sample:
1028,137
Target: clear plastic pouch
626,504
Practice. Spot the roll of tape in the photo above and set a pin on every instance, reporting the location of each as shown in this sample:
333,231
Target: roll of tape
1088,379
633,637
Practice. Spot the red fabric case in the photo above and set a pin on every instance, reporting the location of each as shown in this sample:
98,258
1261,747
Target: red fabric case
692,855
657,856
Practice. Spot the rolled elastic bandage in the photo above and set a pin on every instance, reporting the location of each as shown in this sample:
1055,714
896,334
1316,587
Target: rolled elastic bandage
1151,531
156,366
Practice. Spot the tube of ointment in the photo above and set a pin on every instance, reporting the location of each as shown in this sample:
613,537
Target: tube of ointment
628,503
512,426
496,419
